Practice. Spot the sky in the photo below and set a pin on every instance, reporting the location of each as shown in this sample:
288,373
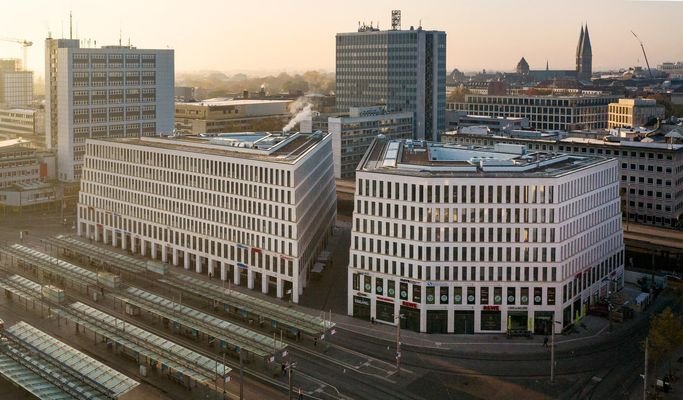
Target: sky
270,36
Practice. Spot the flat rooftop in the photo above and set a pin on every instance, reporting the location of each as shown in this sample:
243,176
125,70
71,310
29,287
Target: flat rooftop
229,102
420,158
556,137
263,146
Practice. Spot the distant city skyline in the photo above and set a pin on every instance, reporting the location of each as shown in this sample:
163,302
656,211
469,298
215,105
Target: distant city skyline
270,36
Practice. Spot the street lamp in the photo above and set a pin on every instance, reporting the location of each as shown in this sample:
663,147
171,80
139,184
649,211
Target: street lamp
398,318
552,348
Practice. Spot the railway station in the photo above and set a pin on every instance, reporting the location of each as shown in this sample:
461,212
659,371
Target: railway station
251,308
233,338
50,369
150,351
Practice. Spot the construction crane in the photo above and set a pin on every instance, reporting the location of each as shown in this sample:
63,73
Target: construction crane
24,44
643,47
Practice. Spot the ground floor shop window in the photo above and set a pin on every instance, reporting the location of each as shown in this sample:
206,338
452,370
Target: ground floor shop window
490,320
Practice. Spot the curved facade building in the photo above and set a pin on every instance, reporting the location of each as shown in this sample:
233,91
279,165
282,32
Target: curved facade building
466,239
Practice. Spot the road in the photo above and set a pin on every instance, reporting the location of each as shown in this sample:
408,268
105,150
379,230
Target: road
352,366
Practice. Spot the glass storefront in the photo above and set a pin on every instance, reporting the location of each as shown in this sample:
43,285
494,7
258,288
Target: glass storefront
490,320
464,322
411,319
361,307
384,311
437,321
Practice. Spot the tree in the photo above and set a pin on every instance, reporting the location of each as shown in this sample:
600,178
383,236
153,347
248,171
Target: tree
666,335
458,95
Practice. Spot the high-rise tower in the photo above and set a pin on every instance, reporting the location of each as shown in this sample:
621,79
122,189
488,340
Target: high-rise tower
584,56
405,70
113,91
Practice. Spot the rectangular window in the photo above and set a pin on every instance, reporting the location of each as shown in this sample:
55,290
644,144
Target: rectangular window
471,299
497,295
511,296
484,295
457,295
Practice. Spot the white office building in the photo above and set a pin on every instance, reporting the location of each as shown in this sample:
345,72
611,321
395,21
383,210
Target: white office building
251,208
113,91
587,110
459,239
353,133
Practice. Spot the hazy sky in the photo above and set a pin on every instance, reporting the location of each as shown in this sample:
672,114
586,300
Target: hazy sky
298,35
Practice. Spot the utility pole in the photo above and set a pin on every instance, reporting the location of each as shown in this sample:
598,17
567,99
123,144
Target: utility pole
398,343
645,371
241,376
552,350
398,347
289,366
224,377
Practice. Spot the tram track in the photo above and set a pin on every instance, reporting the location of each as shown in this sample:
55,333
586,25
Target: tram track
323,389
322,360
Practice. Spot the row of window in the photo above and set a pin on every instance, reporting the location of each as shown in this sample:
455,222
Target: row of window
455,294
457,194
239,234
204,167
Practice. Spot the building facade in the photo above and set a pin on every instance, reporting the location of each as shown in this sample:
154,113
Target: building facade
252,208
458,119
674,70
26,177
651,173
402,69
482,240
108,92
16,85
544,112
352,134
633,113
223,116
26,123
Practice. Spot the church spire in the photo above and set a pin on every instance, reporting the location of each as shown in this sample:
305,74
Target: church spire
584,56
586,48
580,45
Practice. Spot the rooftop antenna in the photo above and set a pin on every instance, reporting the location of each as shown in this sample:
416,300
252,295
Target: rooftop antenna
395,20
71,31
119,36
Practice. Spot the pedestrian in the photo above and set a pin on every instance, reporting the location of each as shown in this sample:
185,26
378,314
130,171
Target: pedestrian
545,341
372,320
315,342
301,394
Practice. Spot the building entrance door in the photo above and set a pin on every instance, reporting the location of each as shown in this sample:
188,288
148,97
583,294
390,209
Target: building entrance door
361,307
464,322
437,321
